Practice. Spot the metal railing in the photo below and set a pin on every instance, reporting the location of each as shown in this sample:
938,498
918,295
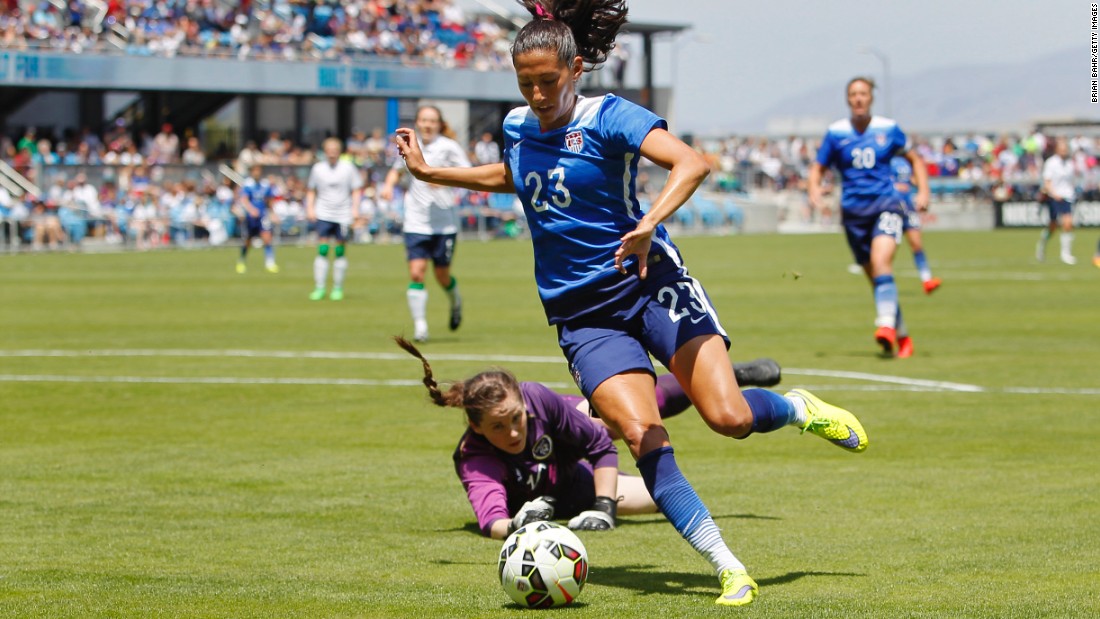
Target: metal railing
16,183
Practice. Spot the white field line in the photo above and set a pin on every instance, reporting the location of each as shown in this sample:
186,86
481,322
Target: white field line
276,354
974,276
881,378
221,380
884,382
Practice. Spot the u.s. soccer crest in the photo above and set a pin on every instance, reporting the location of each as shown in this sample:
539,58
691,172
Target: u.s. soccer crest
880,139
574,141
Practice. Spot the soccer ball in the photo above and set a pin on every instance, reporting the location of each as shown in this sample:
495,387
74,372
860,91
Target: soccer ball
543,564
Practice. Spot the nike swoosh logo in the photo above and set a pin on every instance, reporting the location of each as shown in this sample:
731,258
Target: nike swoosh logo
851,442
742,592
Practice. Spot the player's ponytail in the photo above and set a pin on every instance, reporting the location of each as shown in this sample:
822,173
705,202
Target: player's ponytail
453,397
475,395
571,28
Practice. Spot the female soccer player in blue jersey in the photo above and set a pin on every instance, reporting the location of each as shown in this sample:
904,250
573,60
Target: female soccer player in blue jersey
608,275
902,171
872,212
259,218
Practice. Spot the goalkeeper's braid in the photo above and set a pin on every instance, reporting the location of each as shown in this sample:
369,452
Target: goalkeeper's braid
478,394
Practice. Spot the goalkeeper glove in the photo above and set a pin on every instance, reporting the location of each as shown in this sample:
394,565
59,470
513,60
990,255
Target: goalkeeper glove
600,518
535,510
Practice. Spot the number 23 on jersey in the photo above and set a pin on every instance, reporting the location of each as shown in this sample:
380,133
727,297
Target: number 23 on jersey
554,184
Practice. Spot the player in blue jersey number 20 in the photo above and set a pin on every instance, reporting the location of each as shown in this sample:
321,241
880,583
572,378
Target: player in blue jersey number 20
609,277
872,211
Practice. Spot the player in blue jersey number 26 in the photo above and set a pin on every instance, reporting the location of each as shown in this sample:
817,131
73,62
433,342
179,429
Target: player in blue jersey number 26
610,278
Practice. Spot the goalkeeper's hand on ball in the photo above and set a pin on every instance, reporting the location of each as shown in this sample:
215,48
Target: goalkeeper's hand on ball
534,510
600,518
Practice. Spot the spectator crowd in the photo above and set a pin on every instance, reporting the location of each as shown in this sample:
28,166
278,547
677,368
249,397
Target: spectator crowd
433,32
759,163
128,186
152,190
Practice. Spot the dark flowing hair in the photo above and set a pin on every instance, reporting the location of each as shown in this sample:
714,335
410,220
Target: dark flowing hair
476,395
571,28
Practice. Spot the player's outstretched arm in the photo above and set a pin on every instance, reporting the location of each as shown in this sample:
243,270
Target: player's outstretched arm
493,177
920,179
311,199
687,170
813,185
500,529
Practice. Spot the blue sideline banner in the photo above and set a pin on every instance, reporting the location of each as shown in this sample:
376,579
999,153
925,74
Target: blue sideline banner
198,74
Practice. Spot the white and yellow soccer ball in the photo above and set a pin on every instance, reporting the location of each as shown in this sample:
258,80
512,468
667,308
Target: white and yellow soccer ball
543,564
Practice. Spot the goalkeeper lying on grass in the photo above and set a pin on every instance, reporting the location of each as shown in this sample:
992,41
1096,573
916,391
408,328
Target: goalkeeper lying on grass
530,453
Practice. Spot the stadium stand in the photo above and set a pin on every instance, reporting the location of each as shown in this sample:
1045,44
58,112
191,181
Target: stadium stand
121,184
422,31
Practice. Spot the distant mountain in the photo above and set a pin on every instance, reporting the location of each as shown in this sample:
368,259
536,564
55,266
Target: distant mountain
987,98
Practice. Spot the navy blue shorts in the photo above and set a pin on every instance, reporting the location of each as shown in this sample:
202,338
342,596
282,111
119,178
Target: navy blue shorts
861,231
439,248
254,226
676,310
332,230
1059,208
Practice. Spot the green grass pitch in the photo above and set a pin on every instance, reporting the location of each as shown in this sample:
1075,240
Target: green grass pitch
177,440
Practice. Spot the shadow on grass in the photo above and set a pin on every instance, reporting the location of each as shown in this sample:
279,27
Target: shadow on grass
625,521
658,518
862,354
512,606
644,580
793,576
647,580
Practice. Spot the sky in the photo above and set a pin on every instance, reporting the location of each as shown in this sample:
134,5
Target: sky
739,57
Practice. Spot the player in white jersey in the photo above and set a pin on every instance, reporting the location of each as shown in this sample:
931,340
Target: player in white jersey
610,278
332,201
1060,195
431,220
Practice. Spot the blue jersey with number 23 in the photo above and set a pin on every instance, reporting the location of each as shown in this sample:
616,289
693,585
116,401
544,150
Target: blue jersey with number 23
577,185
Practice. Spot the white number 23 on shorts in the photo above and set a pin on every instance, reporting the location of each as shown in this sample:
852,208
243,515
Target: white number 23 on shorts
684,299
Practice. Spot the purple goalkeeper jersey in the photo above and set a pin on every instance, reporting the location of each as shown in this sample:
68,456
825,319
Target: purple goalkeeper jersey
563,446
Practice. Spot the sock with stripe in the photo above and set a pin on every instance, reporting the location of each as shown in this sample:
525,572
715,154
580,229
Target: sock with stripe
683,508
886,301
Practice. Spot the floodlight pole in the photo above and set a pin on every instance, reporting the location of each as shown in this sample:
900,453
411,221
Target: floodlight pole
885,60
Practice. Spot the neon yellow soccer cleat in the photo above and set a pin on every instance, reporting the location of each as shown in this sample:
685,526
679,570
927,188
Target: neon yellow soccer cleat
317,294
738,589
832,423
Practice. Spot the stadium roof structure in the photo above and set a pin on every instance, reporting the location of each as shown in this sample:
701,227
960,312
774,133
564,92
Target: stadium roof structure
653,28
648,31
